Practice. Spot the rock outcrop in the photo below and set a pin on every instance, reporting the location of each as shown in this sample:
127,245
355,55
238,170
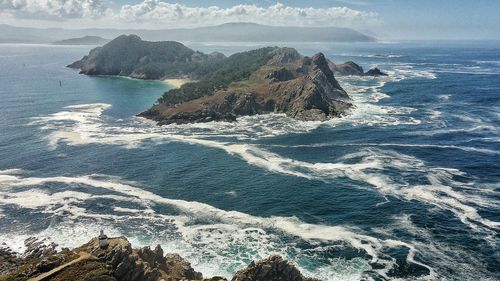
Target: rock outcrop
129,264
375,72
9,261
272,268
351,68
118,261
347,68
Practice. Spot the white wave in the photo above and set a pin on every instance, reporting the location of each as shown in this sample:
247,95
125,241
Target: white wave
444,146
87,126
401,71
367,111
442,255
441,191
390,56
440,131
220,227
444,97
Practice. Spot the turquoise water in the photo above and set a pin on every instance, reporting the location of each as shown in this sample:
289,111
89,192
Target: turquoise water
406,186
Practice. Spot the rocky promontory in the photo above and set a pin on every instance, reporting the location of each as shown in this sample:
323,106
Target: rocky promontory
114,259
266,80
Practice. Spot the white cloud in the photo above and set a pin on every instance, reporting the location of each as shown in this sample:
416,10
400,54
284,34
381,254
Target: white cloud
54,9
278,14
159,14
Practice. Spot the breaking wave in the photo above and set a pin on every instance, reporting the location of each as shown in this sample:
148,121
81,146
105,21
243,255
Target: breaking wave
196,226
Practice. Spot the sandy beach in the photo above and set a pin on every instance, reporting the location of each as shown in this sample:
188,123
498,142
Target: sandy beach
177,83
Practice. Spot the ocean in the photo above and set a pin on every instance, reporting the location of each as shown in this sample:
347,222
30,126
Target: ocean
406,187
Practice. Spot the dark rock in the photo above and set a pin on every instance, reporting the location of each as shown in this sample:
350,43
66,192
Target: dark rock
274,268
280,75
38,248
375,72
178,268
347,68
46,265
9,261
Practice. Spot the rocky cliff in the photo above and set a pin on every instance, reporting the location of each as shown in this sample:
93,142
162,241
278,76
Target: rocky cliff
285,82
118,261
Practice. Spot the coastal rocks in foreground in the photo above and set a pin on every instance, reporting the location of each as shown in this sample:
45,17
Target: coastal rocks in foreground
116,260
272,268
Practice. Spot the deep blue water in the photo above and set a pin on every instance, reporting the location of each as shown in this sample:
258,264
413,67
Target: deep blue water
406,186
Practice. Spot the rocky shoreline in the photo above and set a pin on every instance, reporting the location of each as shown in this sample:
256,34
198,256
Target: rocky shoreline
261,81
114,259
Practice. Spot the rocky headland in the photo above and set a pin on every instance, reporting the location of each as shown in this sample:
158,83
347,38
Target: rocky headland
266,80
114,259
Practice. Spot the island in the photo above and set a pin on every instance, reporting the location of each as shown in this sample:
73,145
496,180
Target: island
85,40
266,80
112,259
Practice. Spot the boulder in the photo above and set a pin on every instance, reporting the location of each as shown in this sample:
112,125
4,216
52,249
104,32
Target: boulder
375,72
274,268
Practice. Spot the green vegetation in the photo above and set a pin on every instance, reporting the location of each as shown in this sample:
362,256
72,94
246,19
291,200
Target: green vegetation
218,75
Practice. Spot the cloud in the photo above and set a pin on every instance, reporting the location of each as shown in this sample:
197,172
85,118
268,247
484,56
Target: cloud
277,14
159,14
54,9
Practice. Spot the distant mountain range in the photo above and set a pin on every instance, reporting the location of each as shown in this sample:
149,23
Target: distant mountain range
229,32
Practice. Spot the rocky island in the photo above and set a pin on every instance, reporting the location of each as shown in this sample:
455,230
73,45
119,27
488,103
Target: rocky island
114,259
85,40
353,69
266,80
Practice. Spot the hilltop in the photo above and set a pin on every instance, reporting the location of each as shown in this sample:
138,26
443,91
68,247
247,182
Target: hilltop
130,56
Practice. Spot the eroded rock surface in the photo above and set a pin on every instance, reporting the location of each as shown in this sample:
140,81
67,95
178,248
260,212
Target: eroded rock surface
274,268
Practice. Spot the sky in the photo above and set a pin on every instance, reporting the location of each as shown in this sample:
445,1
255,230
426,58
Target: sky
384,19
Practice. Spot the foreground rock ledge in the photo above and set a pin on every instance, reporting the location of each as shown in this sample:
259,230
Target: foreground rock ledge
118,261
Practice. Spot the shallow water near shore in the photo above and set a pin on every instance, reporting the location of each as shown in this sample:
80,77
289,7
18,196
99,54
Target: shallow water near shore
405,187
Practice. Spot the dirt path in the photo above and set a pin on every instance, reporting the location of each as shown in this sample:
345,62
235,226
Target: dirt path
83,256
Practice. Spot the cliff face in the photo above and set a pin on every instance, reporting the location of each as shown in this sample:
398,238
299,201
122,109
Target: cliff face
301,87
130,56
118,261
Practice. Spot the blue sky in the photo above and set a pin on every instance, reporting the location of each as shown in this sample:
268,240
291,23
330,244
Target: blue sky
388,19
